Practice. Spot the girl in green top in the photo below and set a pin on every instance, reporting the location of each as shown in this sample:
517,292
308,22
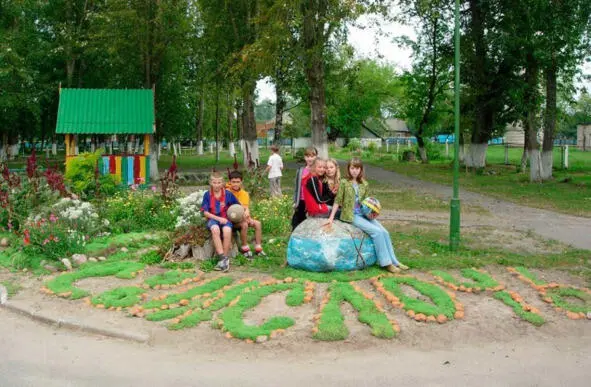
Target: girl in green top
352,191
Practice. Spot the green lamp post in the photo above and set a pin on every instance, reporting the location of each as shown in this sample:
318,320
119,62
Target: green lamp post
454,219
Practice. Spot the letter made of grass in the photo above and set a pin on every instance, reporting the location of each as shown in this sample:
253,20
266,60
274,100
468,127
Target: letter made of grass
573,311
444,306
232,318
480,281
521,309
170,279
201,308
331,323
63,285
118,298
528,277
173,305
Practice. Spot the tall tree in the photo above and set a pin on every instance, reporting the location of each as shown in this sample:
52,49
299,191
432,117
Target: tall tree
431,72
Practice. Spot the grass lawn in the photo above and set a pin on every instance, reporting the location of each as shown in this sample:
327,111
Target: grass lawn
569,191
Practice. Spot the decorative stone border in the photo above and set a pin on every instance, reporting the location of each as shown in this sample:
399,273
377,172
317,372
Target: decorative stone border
553,293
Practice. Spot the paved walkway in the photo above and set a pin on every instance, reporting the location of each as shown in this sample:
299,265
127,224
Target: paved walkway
572,230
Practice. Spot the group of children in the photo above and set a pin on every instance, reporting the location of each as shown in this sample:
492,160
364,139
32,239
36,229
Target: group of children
319,192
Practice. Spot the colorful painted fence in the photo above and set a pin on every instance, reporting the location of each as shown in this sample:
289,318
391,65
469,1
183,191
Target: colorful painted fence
127,169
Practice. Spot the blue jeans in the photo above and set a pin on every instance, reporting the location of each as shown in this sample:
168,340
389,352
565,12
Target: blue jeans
381,239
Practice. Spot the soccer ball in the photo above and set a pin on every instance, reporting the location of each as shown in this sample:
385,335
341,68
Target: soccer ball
235,213
370,207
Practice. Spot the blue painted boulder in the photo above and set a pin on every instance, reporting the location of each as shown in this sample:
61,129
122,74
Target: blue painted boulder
342,247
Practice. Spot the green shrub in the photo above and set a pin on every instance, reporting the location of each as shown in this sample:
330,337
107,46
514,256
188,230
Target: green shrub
80,173
354,144
299,156
139,210
433,151
372,147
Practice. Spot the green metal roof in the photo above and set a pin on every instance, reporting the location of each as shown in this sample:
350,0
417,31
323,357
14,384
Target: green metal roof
110,111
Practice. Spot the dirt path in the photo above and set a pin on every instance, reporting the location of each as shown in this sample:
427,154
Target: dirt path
34,355
572,230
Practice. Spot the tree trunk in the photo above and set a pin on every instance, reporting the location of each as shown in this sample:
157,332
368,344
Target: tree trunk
314,13
476,157
549,121
422,150
199,123
230,119
525,154
279,107
251,154
154,154
530,126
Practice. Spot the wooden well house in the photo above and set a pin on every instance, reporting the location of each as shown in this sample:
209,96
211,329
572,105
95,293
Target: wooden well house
122,116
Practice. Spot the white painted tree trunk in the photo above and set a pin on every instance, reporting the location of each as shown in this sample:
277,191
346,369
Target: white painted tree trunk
220,147
476,156
462,153
174,149
92,147
3,152
252,148
54,148
232,149
129,147
200,148
158,152
110,147
423,155
211,147
535,165
547,163
76,150
13,151
154,155
322,149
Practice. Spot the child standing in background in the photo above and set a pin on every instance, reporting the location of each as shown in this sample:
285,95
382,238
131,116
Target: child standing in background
298,194
274,168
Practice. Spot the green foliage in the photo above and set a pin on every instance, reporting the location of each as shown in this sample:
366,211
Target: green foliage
480,281
354,145
166,314
233,316
203,288
171,277
348,276
331,325
80,174
528,274
272,214
528,316
443,304
558,298
63,285
122,297
151,258
140,210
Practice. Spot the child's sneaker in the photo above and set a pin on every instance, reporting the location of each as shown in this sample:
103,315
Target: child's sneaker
245,251
223,265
